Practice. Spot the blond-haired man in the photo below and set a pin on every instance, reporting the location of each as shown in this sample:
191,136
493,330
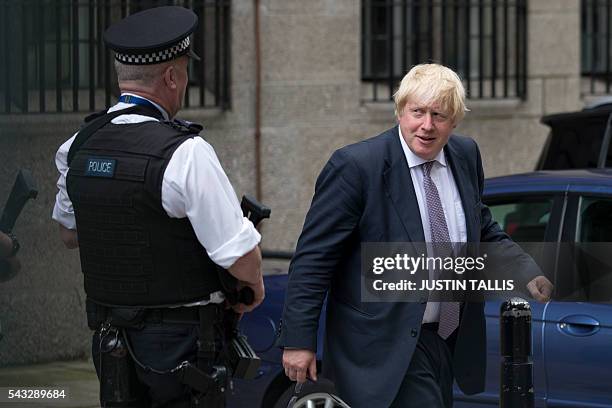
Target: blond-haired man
382,190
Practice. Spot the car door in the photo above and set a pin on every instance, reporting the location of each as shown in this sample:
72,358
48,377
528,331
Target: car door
526,218
578,335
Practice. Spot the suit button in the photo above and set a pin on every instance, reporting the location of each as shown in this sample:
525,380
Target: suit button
413,332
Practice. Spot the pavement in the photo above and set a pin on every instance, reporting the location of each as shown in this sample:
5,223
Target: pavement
77,378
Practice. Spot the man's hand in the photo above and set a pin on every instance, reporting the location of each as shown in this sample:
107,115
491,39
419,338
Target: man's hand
540,288
300,364
259,293
69,237
247,269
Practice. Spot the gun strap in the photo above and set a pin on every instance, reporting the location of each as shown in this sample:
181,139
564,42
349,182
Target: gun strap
185,372
207,346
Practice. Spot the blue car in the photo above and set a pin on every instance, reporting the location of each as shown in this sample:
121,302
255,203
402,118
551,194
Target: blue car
572,341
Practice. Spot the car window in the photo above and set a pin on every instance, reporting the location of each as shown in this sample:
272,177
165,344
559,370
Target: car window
523,220
594,248
526,220
595,220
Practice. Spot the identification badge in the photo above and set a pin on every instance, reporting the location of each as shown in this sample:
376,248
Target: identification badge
100,167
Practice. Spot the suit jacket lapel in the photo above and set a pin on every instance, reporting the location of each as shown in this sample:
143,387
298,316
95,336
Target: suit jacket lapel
461,174
400,190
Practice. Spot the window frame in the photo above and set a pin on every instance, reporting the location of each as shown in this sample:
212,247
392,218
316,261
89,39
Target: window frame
69,69
498,26
554,229
556,211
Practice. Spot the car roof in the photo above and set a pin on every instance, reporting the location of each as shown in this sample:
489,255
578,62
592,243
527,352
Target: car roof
548,181
577,139
597,112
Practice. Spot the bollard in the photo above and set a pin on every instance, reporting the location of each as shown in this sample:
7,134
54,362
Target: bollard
516,380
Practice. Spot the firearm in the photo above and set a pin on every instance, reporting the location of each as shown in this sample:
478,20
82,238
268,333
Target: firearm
23,190
254,210
242,359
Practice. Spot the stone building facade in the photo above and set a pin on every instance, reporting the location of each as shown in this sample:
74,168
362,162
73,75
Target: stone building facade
311,104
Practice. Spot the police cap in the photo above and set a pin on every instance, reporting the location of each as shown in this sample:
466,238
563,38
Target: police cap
152,36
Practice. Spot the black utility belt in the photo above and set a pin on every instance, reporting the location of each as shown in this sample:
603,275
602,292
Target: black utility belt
136,318
184,315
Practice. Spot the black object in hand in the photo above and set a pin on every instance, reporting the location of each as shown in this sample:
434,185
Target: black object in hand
23,190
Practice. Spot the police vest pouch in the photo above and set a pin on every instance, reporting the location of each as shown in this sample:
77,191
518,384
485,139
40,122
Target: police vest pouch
129,318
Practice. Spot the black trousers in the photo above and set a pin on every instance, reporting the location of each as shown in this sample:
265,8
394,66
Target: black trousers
161,346
428,382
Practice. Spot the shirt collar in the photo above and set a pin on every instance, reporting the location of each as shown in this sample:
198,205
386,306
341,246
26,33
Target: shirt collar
414,160
162,110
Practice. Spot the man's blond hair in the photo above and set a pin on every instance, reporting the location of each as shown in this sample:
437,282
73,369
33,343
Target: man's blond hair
428,84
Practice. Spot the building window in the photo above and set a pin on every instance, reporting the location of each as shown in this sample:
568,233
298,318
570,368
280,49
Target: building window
53,59
595,58
484,41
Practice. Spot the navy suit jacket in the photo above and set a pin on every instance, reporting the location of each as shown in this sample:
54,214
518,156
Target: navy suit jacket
365,194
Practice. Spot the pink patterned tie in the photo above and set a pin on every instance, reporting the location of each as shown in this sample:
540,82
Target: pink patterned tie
449,311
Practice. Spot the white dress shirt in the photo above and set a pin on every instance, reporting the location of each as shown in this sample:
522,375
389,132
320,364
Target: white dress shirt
442,176
194,186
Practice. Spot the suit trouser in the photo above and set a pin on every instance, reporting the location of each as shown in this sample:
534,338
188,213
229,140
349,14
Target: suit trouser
428,382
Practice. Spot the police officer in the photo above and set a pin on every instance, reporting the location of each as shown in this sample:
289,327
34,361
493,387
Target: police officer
155,214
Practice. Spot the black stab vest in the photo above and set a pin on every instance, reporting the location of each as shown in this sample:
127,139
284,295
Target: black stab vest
132,252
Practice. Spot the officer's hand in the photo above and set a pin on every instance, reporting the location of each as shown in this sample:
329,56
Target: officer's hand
300,364
540,288
259,293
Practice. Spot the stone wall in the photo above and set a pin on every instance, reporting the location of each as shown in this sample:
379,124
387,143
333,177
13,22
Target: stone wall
310,106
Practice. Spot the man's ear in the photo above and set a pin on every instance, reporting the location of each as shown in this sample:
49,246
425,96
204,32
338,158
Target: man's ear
170,77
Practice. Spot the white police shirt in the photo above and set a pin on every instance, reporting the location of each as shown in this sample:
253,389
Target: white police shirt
194,186
442,177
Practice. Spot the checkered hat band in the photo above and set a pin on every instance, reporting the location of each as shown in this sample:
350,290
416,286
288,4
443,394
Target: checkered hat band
154,57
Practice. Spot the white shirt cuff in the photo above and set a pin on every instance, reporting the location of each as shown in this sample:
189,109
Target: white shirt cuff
64,217
239,245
